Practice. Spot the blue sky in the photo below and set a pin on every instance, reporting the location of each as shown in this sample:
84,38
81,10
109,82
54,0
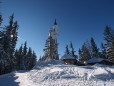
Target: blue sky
78,20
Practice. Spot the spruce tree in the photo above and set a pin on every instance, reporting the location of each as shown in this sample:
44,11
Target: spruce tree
84,53
73,51
67,50
25,48
109,38
103,51
34,59
80,53
1,19
95,51
28,60
16,60
7,44
20,61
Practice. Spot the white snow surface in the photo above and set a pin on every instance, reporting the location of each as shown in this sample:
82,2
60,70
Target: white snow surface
54,73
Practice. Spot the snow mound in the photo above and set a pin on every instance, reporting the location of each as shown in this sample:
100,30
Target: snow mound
53,73
96,59
70,75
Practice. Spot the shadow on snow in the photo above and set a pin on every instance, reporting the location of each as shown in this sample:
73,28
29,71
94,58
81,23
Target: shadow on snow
8,80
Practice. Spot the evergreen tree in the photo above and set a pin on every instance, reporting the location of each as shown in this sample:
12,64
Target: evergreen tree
67,50
72,51
103,51
7,44
40,59
25,58
1,19
95,52
28,60
109,38
84,53
25,48
16,60
20,61
34,59
80,53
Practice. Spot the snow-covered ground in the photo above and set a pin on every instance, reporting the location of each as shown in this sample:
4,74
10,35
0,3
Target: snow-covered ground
57,74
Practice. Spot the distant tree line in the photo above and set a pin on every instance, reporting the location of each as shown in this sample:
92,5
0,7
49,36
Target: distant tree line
90,50
25,58
10,59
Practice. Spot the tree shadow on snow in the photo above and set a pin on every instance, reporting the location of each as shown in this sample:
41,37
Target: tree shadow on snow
8,80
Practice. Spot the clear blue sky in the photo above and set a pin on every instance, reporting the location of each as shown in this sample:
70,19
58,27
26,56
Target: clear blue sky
78,20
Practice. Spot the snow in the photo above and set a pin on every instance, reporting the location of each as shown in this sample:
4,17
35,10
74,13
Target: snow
54,73
96,59
67,56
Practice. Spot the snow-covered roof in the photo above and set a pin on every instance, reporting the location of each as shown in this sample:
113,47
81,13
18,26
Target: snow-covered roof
67,56
96,59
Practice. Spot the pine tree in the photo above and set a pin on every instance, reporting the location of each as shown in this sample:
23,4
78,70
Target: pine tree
67,50
109,38
28,60
40,59
72,51
95,52
103,51
84,53
31,59
16,60
80,53
34,59
20,61
25,48
7,44
24,60
1,19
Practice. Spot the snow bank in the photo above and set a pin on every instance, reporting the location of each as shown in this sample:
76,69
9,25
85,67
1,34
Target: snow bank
94,60
53,73
70,75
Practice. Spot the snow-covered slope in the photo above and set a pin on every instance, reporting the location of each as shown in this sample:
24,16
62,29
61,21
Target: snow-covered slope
56,74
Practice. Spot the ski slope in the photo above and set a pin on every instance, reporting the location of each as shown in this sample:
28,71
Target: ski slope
54,73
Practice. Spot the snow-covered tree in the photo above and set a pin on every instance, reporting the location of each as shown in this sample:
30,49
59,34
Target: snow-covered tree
50,49
8,38
109,38
25,59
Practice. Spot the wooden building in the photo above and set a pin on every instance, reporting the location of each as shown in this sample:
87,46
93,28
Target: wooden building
68,59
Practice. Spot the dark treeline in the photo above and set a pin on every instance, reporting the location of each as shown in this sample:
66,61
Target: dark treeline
10,59
90,50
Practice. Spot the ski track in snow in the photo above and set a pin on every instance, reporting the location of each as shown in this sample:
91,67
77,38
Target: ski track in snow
67,75
70,75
